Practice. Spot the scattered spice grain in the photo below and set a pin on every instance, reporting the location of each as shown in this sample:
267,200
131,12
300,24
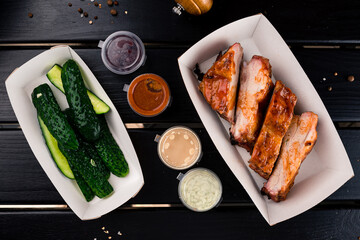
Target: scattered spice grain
80,10
86,14
113,12
116,3
119,233
69,4
99,5
125,12
103,228
351,78
30,15
109,237
96,17
330,88
110,3
335,73
90,22
96,4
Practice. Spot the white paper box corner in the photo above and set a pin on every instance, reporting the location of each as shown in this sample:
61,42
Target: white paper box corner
20,85
325,169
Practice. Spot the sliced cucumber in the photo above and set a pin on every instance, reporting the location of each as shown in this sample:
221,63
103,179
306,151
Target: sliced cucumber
55,152
54,76
99,106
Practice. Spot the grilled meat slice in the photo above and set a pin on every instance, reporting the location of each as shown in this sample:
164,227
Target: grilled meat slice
219,84
297,144
277,121
253,98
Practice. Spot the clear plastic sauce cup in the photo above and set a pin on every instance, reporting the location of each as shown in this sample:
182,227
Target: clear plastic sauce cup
200,189
179,148
122,52
148,95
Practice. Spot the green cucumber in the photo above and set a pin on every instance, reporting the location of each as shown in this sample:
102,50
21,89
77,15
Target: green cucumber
84,187
90,148
88,171
97,161
54,76
99,106
50,112
110,152
56,154
84,115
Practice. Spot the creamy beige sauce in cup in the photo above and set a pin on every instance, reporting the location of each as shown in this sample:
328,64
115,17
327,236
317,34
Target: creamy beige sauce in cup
179,147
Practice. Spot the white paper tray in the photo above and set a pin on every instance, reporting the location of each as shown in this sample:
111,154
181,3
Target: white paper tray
325,169
20,85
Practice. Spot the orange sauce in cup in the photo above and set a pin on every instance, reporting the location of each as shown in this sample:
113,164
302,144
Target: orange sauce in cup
148,95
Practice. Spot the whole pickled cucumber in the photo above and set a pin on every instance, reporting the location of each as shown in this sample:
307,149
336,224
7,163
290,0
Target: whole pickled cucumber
80,161
78,100
50,112
110,152
90,148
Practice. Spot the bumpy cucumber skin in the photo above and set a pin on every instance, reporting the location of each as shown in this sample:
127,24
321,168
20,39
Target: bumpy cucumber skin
50,112
54,76
110,152
93,154
84,187
56,154
78,100
90,148
82,163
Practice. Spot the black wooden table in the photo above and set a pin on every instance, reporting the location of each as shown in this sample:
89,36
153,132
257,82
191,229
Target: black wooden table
323,35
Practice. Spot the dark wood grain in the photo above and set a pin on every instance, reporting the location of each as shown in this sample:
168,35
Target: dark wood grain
221,223
24,182
343,102
160,61
154,21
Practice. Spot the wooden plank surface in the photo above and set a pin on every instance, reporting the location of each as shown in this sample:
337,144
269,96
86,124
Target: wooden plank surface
154,21
343,102
24,182
221,223
160,61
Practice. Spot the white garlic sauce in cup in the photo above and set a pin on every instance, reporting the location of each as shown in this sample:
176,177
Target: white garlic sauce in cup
200,189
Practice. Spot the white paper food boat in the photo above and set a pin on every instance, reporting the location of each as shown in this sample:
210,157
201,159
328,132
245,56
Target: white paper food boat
20,85
325,169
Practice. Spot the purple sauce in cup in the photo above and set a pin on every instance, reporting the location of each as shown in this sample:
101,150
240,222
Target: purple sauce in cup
122,52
